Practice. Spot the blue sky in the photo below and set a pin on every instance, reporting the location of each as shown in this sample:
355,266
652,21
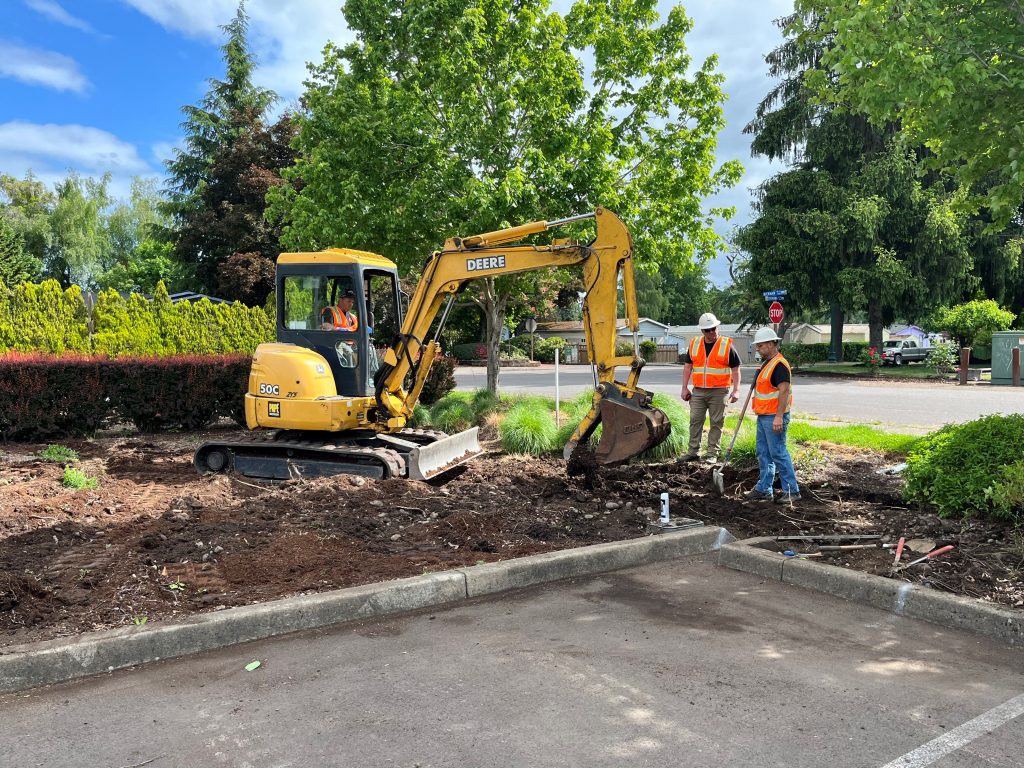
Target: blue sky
98,85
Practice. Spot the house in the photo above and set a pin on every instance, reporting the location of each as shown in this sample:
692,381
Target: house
572,332
810,333
743,341
921,336
191,296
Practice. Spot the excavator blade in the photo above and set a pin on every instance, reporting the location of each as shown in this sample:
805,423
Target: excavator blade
628,428
424,461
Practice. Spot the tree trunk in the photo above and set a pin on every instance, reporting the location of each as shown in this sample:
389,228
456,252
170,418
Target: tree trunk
494,315
875,323
838,321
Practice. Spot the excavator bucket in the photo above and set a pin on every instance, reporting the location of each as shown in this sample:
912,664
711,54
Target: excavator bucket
630,426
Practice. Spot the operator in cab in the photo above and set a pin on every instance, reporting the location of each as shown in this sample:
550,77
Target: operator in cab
340,317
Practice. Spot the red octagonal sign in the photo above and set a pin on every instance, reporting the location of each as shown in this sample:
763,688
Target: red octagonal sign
775,313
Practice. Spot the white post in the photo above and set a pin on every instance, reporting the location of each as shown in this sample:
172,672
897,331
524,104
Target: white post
558,415
664,508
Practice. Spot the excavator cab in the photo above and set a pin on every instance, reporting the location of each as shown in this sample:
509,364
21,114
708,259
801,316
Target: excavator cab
344,306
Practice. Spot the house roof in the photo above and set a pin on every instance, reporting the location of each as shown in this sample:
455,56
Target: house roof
577,325
192,296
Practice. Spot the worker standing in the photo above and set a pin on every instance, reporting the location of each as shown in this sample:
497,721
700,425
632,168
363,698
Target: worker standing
713,366
773,401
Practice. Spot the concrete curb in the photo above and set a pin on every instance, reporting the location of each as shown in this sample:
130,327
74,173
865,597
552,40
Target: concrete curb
897,597
54,661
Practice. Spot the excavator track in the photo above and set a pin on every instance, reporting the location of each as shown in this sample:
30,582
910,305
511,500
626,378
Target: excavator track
290,455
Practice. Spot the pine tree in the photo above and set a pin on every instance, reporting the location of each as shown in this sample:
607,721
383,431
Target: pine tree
218,182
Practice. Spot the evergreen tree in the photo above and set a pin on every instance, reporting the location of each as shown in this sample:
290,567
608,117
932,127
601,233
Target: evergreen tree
231,157
851,225
16,266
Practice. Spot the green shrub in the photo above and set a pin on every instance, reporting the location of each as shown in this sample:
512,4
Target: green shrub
1007,494
623,349
854,351
544,349
468,353
944,357
528,428
800,355
76,478
958,467
59,454
648,349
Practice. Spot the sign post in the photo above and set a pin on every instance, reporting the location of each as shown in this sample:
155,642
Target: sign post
531,326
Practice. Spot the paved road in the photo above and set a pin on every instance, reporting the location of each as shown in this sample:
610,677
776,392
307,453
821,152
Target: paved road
676,664
912,404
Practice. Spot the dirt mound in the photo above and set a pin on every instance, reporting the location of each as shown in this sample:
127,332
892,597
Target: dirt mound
155,541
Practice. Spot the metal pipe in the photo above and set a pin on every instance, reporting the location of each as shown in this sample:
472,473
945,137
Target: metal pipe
570,219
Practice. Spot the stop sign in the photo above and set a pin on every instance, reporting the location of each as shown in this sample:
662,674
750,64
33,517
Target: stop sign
775,313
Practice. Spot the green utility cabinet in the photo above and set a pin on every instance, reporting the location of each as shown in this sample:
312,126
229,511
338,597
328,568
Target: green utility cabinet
1003,343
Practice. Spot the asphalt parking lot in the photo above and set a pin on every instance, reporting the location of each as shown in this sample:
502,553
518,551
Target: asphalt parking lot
678,663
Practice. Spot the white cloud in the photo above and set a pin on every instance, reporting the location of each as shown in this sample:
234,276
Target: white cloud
38,67
74,146
282,36
53,11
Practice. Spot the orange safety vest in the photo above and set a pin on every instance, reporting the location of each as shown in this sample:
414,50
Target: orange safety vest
766,397
711,371
342,321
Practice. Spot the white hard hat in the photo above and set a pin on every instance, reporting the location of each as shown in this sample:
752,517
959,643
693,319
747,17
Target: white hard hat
707,320
765,334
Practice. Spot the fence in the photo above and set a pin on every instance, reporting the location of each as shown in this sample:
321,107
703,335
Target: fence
666,353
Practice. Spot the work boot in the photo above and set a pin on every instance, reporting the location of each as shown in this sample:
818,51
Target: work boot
755,495
711,458
691,457
787,498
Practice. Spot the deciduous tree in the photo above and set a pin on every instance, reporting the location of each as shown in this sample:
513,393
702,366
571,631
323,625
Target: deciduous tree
451,118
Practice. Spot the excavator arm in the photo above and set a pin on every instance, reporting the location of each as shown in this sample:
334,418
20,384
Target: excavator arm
631,424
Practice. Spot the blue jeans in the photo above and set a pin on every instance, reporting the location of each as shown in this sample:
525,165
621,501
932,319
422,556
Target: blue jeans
773,454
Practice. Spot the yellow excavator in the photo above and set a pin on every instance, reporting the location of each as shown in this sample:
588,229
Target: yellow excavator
336,399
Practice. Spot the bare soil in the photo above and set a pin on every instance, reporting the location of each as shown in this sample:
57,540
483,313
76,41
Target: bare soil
155,542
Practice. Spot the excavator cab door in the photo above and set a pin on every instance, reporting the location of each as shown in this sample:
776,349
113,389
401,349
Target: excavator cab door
348,335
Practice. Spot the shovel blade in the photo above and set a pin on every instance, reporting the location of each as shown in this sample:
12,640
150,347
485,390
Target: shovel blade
719,480
628,430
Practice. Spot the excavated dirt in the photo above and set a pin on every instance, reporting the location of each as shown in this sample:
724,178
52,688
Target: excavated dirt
154,542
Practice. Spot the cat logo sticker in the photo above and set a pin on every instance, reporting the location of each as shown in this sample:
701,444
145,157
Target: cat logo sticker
274,410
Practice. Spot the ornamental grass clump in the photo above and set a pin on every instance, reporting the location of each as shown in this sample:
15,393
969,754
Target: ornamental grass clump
968,469
678,440
452,413
59,454
528,428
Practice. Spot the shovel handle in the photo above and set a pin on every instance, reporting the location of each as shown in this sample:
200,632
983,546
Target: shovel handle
743,412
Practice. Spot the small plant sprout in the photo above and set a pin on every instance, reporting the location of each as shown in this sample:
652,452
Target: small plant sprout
138,621
177,586
58,454
76,478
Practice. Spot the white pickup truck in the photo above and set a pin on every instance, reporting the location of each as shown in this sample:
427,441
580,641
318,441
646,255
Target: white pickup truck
900,351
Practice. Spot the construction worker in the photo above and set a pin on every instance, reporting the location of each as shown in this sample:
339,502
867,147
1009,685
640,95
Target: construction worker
772,402
713,366
340,318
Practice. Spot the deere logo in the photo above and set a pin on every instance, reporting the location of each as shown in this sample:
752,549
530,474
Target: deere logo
274,409
485,262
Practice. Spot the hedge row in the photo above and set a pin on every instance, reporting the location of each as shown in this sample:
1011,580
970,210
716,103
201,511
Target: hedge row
45,397
46,318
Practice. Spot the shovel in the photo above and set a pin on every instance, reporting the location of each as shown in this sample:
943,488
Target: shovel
717,476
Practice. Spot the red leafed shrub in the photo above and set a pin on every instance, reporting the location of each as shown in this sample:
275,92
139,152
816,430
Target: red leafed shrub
185,391
42,396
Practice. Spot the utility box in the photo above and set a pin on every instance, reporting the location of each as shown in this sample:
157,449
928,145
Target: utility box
1003,344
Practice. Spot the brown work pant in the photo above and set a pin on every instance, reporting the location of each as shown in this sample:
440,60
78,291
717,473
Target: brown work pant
707,402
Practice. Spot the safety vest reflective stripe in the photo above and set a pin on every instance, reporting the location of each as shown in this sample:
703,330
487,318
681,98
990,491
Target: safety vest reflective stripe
766,396
711,371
